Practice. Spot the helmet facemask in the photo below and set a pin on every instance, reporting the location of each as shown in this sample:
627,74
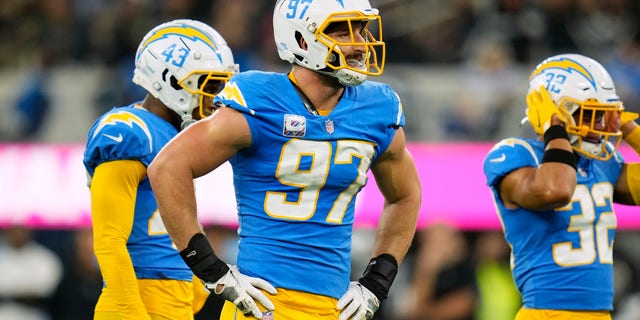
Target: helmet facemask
591,125
349,70
205,85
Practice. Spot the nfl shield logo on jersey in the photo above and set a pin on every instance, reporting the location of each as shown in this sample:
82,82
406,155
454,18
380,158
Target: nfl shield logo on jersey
294,125
328,125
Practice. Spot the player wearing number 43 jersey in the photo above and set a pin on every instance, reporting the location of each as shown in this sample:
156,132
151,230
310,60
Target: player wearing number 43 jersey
555,194
182,64
300,145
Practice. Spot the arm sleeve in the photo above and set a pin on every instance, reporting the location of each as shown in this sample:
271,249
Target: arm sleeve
113,197
633,139
633,181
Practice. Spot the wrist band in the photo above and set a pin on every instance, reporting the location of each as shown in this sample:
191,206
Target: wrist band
199,256
379,275
555,132
560,155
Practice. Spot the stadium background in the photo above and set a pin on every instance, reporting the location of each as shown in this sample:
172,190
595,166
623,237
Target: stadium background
460,67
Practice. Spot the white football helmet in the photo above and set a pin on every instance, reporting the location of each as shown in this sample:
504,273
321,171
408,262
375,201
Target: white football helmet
179,62
309,19
586,96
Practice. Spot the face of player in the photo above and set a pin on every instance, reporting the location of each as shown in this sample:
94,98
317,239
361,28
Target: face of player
210,88
355,32
596,121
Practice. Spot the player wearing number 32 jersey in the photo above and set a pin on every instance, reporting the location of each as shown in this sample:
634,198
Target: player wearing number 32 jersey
566,258
555,194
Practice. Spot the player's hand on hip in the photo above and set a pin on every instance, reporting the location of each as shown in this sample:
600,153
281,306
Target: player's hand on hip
358,303
226,280
540,110
243,291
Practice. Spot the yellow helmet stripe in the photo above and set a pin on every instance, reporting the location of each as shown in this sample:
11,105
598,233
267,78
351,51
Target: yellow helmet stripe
182,31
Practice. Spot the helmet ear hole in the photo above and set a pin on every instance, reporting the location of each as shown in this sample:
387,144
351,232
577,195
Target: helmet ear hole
302,44
174,83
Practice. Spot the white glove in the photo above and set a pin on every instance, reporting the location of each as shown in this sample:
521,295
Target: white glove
358,303
243,291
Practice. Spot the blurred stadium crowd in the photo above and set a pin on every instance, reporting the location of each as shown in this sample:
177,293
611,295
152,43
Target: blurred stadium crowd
453,61
460,65
416,31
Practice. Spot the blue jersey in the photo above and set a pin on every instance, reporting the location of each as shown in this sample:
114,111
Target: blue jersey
561,259
296,185
133,133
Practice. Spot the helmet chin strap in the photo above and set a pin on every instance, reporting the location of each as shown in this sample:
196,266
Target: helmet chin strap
187,117
592,148
346,77
349,77
187,120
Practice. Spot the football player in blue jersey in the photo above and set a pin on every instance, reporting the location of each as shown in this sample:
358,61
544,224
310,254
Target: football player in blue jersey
554,194
182,64
300,145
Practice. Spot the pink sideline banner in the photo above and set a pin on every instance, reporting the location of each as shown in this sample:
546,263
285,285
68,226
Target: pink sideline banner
454,189
44,186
